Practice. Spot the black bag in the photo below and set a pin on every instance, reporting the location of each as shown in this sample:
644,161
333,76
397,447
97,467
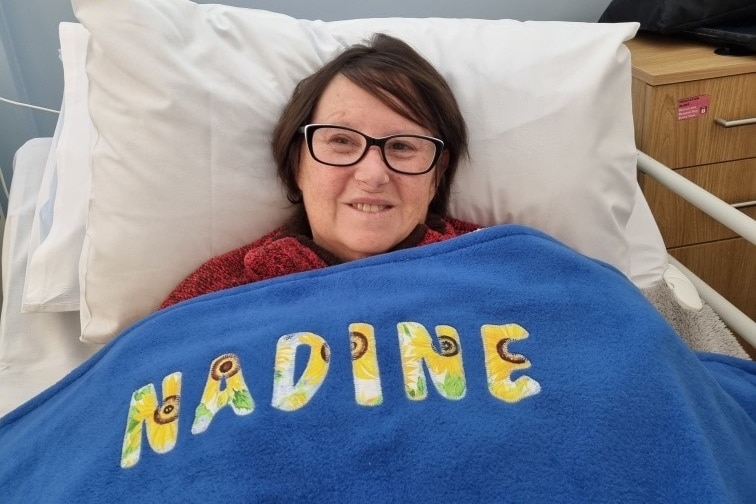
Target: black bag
671,16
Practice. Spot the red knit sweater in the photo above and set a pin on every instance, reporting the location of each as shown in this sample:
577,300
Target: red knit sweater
286,250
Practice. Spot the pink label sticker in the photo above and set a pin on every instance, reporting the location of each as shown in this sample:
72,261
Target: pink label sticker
695,106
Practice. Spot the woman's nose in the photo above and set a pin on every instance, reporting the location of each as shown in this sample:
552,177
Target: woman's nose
372,169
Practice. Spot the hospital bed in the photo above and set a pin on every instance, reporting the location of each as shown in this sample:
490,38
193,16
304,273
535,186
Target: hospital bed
160,161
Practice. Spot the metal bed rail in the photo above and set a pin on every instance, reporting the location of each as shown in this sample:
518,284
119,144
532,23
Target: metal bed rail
723,213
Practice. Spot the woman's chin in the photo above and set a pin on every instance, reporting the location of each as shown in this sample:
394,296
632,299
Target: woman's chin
366,246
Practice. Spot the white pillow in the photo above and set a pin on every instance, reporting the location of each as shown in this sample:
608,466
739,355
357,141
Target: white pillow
648,254
52,274
184,98
44,198
36,349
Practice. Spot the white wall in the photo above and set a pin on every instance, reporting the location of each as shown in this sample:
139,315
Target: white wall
30,70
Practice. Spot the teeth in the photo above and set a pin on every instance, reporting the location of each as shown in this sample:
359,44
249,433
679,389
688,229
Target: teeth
364,207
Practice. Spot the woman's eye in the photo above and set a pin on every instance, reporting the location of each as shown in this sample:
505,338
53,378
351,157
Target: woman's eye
342,141
402,147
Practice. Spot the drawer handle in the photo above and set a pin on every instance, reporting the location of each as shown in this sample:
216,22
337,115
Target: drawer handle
744,204
734,122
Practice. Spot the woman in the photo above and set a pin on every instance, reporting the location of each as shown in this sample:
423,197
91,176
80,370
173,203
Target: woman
367,149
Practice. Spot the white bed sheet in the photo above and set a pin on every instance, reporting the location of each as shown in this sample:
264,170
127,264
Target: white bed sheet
36,349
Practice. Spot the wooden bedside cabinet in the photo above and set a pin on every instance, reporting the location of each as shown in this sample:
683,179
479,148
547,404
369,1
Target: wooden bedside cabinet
683,92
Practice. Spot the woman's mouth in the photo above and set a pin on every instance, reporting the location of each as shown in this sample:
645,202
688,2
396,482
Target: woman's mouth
368,208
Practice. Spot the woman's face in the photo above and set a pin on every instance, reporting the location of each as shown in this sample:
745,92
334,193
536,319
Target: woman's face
365,209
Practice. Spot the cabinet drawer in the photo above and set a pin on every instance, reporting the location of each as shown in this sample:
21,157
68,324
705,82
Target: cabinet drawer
680,222
728,266
697,140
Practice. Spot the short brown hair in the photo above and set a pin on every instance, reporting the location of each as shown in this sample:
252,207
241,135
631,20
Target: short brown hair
397,75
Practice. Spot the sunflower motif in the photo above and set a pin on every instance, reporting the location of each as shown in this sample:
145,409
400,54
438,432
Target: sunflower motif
225,368
367,381
168,411
501,363
359,343
445,367
287,395
317,365
448,360
413,350
364,357
161,420
449,345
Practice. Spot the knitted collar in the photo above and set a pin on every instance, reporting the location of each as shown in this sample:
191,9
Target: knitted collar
293,250
299,228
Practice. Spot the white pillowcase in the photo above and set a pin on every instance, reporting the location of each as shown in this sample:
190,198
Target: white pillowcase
36,349
52,274
184,98
648,254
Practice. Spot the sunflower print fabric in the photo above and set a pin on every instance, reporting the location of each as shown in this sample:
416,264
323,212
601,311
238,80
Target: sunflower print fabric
288,395
501,363
160,419
225,369
444,365
367,379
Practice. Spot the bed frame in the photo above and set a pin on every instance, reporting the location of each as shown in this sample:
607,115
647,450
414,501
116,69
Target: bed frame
724,213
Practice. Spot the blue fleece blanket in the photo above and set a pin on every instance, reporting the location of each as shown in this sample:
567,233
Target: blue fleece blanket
496,367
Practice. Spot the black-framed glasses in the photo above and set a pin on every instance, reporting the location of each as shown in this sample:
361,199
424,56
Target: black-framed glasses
341,146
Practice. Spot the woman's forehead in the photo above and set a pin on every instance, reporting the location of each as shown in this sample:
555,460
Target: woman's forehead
350,104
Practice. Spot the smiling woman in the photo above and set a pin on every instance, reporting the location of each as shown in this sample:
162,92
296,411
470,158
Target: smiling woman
367,207
367,149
